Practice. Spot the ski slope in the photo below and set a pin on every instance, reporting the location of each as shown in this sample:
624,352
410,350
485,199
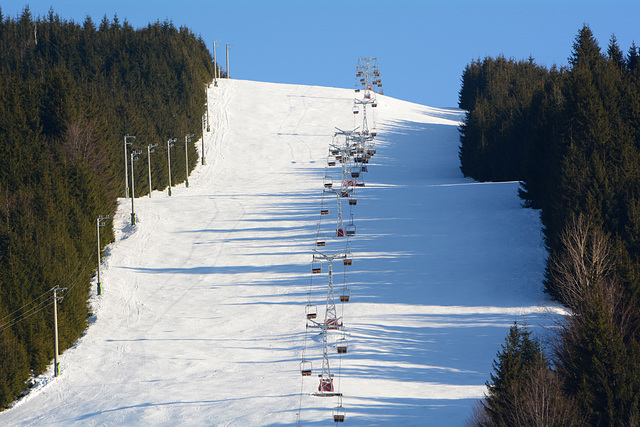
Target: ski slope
202,317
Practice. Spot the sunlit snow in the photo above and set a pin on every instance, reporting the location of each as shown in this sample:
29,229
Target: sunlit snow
202,317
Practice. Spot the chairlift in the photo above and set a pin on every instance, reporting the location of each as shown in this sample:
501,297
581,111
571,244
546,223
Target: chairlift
350,229
345,294
353,200
348,259
334,151
374,133
328,181
341,345
316,267
357,90
311,311
324,208
375,104
339,414
305,368
321,240
355,110
331,161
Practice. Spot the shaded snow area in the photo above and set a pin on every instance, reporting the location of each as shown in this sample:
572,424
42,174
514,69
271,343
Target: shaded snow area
202,319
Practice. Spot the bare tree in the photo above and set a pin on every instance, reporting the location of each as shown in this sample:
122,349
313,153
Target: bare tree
584,262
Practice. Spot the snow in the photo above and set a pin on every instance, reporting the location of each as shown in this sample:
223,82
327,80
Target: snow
202,317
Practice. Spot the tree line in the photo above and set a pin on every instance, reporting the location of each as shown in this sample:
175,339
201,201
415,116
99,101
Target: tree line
571,135
70,92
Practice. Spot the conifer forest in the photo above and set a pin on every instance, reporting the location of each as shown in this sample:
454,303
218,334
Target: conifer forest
571,135
70,93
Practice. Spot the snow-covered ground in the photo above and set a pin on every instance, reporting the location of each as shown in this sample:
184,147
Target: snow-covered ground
202,317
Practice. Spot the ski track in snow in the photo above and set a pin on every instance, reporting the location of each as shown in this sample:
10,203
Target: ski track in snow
202,317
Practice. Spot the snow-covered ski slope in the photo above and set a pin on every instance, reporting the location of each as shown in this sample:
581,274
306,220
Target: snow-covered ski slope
202,317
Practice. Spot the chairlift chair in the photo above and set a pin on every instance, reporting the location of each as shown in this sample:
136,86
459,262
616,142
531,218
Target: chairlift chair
353,200
345,294
324,208
339,413
350,229
347,260
321,240
305,368
355,109
331,161
328,181
311,311
341,345
316,268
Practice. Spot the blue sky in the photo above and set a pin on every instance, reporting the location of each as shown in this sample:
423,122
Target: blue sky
422,46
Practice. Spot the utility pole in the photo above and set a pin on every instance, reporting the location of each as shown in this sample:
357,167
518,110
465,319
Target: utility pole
204,159
134,158
170,144
215,65
228,74
187,140
149,151
56,365
126,168
207,105
100,223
